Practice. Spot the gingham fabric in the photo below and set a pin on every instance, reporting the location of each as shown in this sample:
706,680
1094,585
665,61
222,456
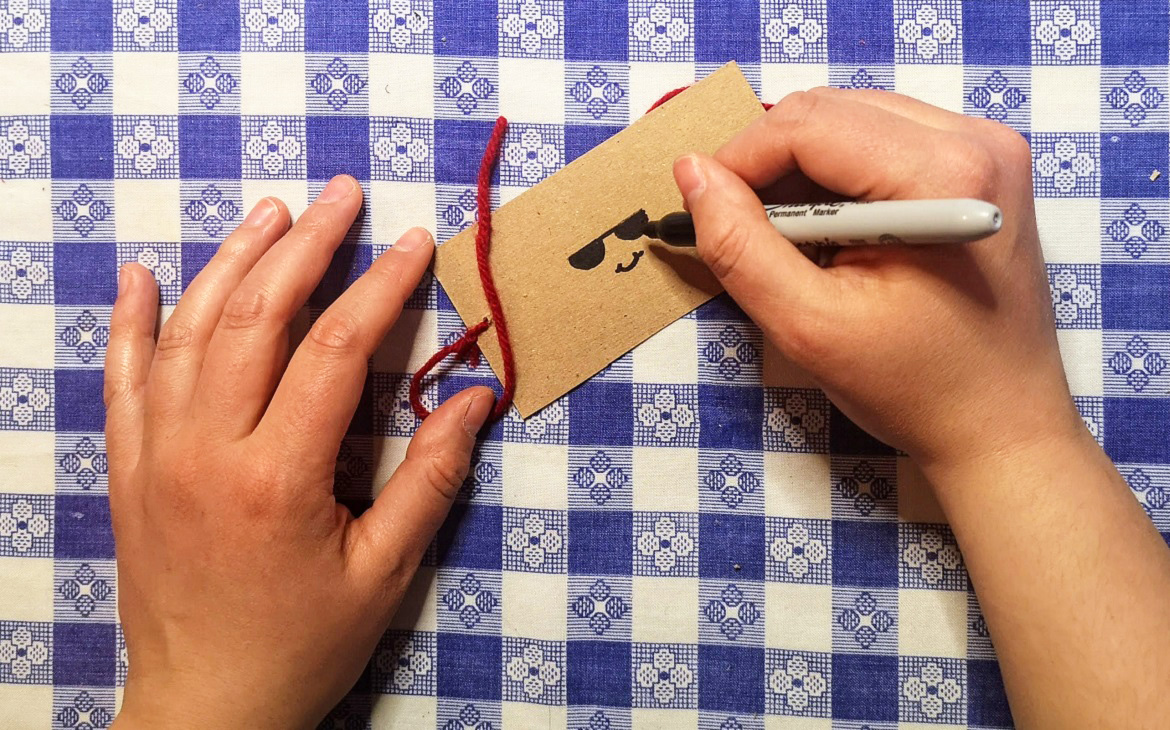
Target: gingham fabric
691,538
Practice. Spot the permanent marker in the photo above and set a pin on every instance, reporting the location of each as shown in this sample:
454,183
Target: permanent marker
881,223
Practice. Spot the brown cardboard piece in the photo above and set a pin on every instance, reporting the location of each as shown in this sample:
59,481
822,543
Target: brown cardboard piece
568,323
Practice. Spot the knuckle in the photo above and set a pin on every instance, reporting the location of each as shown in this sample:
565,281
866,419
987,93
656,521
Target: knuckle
978,169
723,251
336,332
445,475
796,107
175,337
246,308
114,390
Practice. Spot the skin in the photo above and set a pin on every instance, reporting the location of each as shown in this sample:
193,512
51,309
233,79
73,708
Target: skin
950,354
217,451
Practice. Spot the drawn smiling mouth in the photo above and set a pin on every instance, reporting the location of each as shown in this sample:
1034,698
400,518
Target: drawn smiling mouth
623,268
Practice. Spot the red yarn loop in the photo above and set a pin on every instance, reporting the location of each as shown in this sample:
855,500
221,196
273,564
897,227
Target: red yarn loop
467,347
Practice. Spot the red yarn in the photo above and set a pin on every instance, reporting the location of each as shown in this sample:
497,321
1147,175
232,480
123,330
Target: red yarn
466,346
675,92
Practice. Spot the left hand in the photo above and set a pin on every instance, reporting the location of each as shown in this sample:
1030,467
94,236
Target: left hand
249,597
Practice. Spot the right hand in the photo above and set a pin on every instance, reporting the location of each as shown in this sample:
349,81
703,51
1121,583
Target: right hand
946,352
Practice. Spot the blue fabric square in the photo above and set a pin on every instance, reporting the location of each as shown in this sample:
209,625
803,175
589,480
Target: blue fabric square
865,687
83,654
1135,430
465,29
1134,34
1135,297
596,31
987,703
349,262
865,553
580,138
332,149
730,417
1126,162
997,33
209,25
730,678
79,404
846,437
731,547
83,527
861,32
599,673
727,30
82,25
469,666
209,146
601,413
82,146
337,26
470,538
459,148
85,273
600,542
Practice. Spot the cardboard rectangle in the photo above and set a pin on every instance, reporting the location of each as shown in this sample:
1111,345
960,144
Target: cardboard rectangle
571,315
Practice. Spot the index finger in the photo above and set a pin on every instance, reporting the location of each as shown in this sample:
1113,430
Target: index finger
848,147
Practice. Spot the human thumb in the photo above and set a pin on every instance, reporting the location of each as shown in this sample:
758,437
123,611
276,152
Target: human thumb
757,266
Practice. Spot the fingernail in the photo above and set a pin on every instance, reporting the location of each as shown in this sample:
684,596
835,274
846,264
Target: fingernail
477,413
337,189
688,173
122,277
261,213
412,239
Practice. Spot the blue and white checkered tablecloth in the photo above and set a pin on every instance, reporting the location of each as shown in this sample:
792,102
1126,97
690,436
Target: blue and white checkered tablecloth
754,561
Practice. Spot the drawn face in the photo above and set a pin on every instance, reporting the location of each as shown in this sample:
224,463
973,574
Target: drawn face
592,254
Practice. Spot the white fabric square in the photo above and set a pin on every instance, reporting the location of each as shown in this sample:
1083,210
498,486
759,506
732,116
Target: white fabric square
797,485
26,459
932,623
26,210
1083,357
536,475
26,336
786,722
665,479
532,90
1066,99
533,605
272,83
798,616
941,85
147,83
1069,229
396,207
418,609
147,210
669,356
524,714
778,80
409,344
666,610
402,85
27,85
293,193
649,81
32,580
19,703
403,712
390,454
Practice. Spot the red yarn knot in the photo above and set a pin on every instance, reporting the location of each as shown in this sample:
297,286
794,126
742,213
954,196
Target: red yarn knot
466,347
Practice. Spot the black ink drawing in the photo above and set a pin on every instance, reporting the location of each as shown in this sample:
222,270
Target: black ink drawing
592,254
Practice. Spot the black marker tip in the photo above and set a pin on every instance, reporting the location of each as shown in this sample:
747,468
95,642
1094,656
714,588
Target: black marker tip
674,229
